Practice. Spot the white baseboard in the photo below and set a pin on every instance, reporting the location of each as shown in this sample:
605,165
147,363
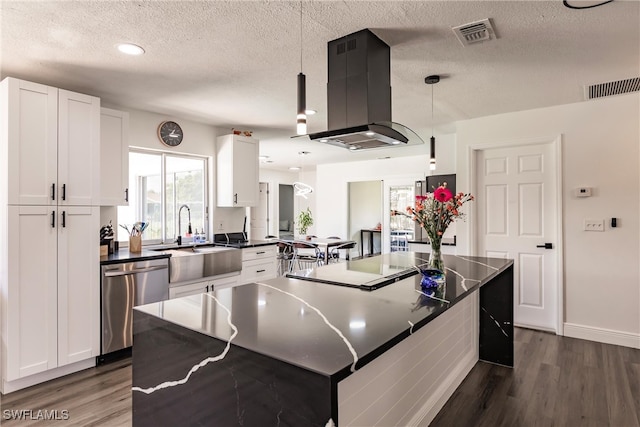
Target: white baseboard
19,384
433,405
607,336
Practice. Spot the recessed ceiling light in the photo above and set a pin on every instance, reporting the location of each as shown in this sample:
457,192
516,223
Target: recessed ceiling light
294,168
324,140
310,112
395,142
353,147
130,49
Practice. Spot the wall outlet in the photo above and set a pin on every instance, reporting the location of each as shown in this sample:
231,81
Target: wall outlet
594,225
220,226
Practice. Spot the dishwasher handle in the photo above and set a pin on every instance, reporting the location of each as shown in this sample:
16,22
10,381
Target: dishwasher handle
115,273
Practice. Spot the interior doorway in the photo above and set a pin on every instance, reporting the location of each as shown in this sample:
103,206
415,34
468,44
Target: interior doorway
259,223
285,211
365,216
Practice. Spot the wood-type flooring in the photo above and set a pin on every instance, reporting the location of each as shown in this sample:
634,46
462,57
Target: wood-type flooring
556,381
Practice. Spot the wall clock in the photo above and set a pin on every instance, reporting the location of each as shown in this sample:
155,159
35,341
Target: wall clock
170,133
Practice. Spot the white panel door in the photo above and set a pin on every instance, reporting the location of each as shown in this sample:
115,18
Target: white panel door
78,283
78,149
516,215
260,214
31,136
31,291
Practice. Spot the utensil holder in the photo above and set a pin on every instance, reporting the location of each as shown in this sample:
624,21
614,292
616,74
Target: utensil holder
135,243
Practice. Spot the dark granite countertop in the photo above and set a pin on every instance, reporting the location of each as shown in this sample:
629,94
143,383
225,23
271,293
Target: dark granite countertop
123,255
325,328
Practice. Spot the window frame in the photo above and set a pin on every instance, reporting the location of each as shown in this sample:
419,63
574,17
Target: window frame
138,208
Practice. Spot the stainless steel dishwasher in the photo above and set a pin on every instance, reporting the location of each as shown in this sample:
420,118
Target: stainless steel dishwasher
124,286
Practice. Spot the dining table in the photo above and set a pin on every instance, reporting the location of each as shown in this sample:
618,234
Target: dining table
324,244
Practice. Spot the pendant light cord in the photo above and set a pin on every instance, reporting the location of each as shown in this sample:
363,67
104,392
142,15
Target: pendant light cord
431,110
300,35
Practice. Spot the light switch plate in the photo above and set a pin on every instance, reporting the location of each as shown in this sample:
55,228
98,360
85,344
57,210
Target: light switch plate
594,225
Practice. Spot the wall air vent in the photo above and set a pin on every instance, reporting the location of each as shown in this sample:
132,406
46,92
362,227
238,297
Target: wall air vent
474,32
618,87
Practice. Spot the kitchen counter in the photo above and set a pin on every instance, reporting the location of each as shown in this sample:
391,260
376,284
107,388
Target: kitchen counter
247,244
123,255
290,349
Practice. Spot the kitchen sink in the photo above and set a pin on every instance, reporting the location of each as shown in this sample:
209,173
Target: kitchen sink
192,263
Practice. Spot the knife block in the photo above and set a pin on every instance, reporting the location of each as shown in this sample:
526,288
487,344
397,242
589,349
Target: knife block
135,243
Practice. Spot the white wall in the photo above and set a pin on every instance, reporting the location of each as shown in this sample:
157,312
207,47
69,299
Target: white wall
600,140
332,203
199,139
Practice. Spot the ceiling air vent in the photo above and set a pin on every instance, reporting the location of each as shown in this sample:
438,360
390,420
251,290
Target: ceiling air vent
612,88
474,32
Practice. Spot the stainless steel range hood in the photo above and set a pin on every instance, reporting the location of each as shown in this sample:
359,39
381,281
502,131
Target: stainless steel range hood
359,96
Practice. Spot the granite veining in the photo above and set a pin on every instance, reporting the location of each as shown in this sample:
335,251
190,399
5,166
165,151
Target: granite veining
281,346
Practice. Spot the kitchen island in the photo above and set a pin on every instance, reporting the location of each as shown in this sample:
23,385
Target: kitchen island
289,351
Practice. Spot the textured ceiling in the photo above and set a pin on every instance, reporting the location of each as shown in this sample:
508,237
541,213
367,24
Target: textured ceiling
234,64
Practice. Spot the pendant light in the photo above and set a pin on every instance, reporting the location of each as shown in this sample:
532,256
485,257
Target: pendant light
301,118
300,188
431,80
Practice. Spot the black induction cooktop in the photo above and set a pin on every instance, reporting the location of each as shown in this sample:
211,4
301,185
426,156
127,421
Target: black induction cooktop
366,273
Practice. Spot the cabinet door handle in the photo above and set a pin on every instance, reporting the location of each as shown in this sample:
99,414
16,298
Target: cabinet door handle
207,288
64,191
235,199
53,219
260,271
64,221
126,195
53,191
260,253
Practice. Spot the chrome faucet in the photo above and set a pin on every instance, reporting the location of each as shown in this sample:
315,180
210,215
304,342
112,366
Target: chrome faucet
179,239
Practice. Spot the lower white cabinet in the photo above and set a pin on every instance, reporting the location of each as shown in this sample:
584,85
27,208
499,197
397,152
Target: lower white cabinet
189,289
259,263
205,285
50,288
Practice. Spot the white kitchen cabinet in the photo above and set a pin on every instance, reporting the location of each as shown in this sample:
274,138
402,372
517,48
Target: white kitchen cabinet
78,283
52,139
49,214
114,157
50,282
189,289
206,285
258,263
224,282
237,171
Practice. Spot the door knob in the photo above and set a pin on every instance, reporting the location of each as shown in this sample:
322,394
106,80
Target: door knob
546,246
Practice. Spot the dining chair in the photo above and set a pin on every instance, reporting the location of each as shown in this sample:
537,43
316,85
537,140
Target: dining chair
306,255
334,254
284,257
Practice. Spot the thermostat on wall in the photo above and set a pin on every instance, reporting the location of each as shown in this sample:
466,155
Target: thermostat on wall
583,192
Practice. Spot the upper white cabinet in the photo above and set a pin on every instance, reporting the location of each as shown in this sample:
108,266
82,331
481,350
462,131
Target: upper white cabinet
53,144
237,165
114,158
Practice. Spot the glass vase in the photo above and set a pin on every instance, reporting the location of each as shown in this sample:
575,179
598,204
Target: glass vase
433,277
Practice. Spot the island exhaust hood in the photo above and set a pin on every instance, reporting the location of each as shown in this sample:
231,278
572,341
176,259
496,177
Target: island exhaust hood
359,96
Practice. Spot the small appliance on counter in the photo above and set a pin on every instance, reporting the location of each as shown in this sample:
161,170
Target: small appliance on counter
106,240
